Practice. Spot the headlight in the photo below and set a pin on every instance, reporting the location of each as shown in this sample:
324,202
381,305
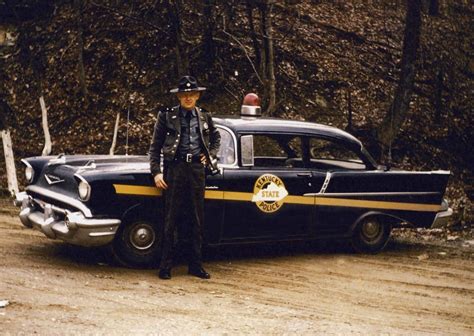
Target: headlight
29,171
84,190
29,174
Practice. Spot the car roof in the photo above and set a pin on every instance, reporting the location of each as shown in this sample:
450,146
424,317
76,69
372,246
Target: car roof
275,125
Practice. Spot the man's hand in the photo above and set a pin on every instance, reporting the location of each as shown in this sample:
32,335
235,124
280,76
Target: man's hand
160,182
203,159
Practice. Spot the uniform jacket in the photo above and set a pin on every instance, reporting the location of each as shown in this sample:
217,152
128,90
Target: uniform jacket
167,133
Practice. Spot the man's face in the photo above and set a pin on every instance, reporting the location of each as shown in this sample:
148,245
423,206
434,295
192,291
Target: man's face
188,100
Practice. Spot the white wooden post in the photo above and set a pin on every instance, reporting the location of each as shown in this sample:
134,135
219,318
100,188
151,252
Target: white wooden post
114,140
10,162
47,136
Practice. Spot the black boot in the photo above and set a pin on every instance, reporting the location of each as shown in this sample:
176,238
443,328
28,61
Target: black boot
165,274
199,272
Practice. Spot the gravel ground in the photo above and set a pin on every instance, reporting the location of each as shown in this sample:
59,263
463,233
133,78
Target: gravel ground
423,283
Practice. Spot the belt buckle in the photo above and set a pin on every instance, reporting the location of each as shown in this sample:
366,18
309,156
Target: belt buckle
189,158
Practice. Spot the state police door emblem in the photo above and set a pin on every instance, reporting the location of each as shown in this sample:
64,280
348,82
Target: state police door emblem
269,193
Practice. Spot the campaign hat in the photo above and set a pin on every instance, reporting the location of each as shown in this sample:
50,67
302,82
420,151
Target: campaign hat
187,84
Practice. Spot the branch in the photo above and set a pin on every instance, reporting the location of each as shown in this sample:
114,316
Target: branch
243,48
67,47
233,95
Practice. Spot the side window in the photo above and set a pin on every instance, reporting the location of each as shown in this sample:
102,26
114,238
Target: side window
276,150
329,154
226,153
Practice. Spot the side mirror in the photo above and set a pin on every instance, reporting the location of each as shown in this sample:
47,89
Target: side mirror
246,149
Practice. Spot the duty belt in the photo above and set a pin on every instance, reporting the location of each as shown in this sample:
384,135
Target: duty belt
187,158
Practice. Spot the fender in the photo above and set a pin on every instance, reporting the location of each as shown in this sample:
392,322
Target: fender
137,210
391,218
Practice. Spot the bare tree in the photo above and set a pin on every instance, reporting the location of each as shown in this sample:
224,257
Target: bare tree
47,137
434,7
438,94
396,115
209,27
5,114
253,33
174,9
263,49
270,60
79,7
114,139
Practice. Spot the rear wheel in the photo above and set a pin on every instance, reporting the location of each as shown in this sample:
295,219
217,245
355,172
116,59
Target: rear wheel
137,244
371,235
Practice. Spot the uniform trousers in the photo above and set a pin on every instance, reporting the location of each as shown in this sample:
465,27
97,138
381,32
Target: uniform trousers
184,209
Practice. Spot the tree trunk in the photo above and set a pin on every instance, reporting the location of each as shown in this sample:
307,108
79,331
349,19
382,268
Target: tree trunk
263,51
10,162
253,34
438,98
396,115
79,6
434,8
270,81
114,140
349,109
209,46
47,136
182,65
271,64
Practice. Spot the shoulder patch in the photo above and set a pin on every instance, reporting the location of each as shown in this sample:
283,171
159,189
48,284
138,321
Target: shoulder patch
164,110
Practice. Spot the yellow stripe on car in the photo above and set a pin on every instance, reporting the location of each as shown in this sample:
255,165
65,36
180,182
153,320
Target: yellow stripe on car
376,204
124,189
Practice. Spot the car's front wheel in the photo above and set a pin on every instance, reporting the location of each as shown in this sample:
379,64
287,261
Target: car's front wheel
137,244
371,235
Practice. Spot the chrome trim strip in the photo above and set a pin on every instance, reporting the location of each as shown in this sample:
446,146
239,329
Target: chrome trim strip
101,234
325,183
84,181
402,193
242,137
250,111
27,164
50,181
234,138
442,218
62,198
60,159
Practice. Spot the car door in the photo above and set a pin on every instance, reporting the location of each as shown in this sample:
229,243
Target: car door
333,212
265,197
214,204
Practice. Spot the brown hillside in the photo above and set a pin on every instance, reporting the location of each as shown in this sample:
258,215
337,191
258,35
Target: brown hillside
326,53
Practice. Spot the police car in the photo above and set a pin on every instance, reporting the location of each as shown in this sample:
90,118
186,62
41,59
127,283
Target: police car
278,180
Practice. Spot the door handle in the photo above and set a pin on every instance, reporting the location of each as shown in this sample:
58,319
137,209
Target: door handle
303,174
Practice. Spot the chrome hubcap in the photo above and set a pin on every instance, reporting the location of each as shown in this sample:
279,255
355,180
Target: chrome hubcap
371,229
142,236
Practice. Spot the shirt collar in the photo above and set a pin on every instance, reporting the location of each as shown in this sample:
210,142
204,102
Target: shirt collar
183,112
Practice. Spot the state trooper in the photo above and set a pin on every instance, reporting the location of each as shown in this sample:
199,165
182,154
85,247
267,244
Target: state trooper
189,141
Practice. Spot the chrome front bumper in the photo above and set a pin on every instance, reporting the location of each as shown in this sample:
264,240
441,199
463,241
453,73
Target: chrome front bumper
59,223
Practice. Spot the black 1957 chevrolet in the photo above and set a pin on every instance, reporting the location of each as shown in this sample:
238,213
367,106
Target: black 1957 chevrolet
278,180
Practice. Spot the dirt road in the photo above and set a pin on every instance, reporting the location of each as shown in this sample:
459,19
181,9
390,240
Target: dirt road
417,286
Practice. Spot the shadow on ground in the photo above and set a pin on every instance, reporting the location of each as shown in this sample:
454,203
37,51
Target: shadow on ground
65,253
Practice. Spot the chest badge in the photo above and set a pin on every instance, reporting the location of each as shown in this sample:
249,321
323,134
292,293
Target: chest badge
269,192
